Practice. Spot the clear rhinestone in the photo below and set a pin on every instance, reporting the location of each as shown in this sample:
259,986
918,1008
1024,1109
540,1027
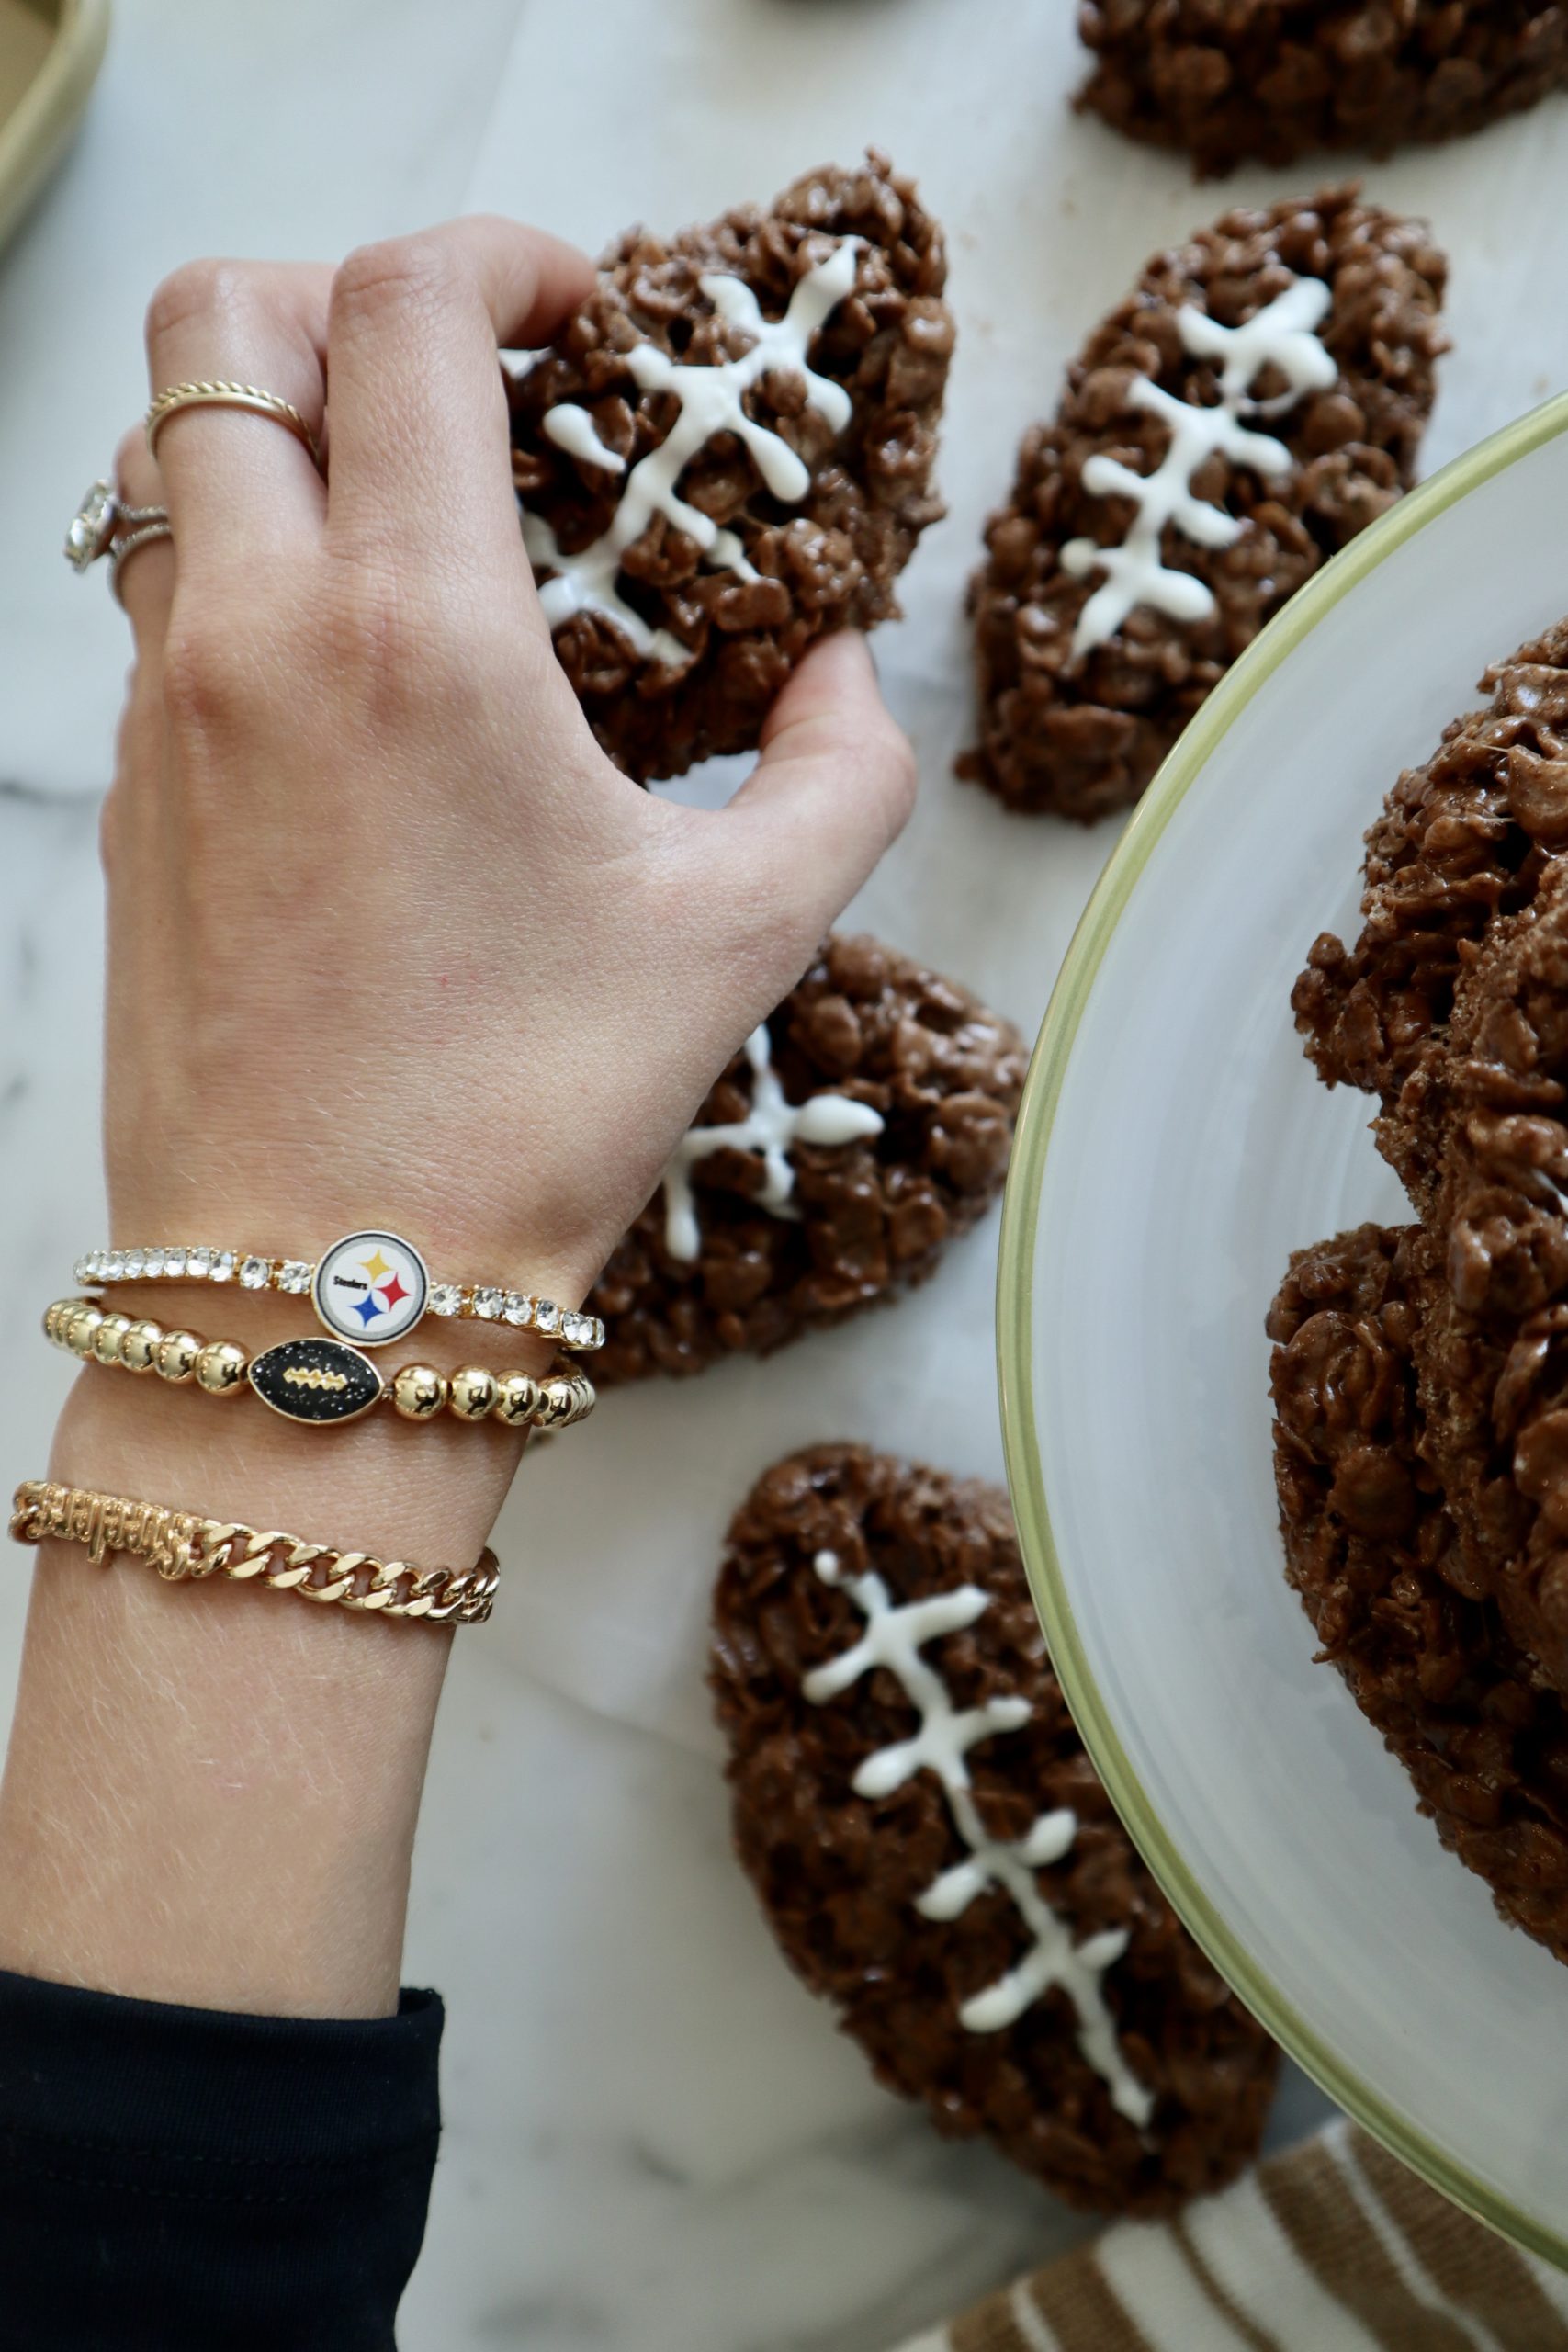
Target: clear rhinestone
153,1265
488,1305
294,1276
135,1265
92,527
198,1265
173,1264
519,1308
114,1267
81,1273
548,1316
446,1298
223,1266
256,1273
578,1329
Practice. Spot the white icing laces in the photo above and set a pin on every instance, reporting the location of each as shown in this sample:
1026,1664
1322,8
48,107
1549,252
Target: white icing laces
1279,335
710,402
770,1126
894,1639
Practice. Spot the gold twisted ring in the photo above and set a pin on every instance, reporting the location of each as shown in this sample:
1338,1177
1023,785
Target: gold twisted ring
219,395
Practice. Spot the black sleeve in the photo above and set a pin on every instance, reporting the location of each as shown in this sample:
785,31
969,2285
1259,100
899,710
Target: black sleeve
175,2177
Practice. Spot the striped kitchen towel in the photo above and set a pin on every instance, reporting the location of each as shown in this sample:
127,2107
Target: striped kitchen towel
1332,2248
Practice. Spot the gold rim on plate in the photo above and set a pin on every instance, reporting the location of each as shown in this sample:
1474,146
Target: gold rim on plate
1015,1311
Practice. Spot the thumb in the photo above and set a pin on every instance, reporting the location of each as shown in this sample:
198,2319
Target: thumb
832,790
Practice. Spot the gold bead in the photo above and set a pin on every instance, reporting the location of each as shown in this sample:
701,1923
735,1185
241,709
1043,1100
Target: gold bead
52,1315
111,1330
555,1402
139,1349
418,1391
83,1329
220,1367
177,1353
517,1399
474,1392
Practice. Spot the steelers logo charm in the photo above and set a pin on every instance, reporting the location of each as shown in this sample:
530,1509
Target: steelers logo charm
370,1288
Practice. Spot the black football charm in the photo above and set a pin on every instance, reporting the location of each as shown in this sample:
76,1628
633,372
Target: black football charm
316,1380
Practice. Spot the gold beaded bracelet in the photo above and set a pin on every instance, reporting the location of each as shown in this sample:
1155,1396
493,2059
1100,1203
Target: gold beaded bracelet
182,1545
320,1382
370,1288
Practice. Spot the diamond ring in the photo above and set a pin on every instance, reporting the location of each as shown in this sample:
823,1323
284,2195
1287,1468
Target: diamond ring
99,520
143,537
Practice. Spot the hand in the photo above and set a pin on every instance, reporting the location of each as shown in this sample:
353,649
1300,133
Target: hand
390,940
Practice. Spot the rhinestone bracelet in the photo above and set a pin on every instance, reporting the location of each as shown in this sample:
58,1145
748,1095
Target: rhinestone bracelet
369,1287
182,1545
317,1381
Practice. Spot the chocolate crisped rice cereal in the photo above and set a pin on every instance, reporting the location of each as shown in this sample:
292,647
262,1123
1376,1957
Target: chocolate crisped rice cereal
1460,840
1231,80
1489,1349
1129,568
1371,1549
970,1904
937,1076
696,518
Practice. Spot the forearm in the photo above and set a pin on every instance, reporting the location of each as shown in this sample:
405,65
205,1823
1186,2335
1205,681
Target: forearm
211,1789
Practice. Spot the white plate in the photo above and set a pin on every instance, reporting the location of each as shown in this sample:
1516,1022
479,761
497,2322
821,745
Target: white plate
1174,1148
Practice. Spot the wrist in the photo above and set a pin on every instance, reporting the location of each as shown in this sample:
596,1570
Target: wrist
262,1759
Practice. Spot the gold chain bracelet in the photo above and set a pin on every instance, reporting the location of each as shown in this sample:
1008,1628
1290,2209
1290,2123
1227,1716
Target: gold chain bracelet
370,1287
317,1381
181,1545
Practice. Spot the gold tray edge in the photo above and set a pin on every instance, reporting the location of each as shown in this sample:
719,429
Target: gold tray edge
35,136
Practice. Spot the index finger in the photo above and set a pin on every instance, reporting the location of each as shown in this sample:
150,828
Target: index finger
420,434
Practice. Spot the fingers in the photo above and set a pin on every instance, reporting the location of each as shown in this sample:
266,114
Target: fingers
145,584
240,484
832,790
421,455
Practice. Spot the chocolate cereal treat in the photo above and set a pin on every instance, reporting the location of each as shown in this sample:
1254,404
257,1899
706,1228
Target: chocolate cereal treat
1230,80
1489,1349
728,453
935,1854
862,1127
1371,1549
1460,840
1257,399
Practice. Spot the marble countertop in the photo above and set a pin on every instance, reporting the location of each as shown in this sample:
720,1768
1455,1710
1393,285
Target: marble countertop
656,2141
